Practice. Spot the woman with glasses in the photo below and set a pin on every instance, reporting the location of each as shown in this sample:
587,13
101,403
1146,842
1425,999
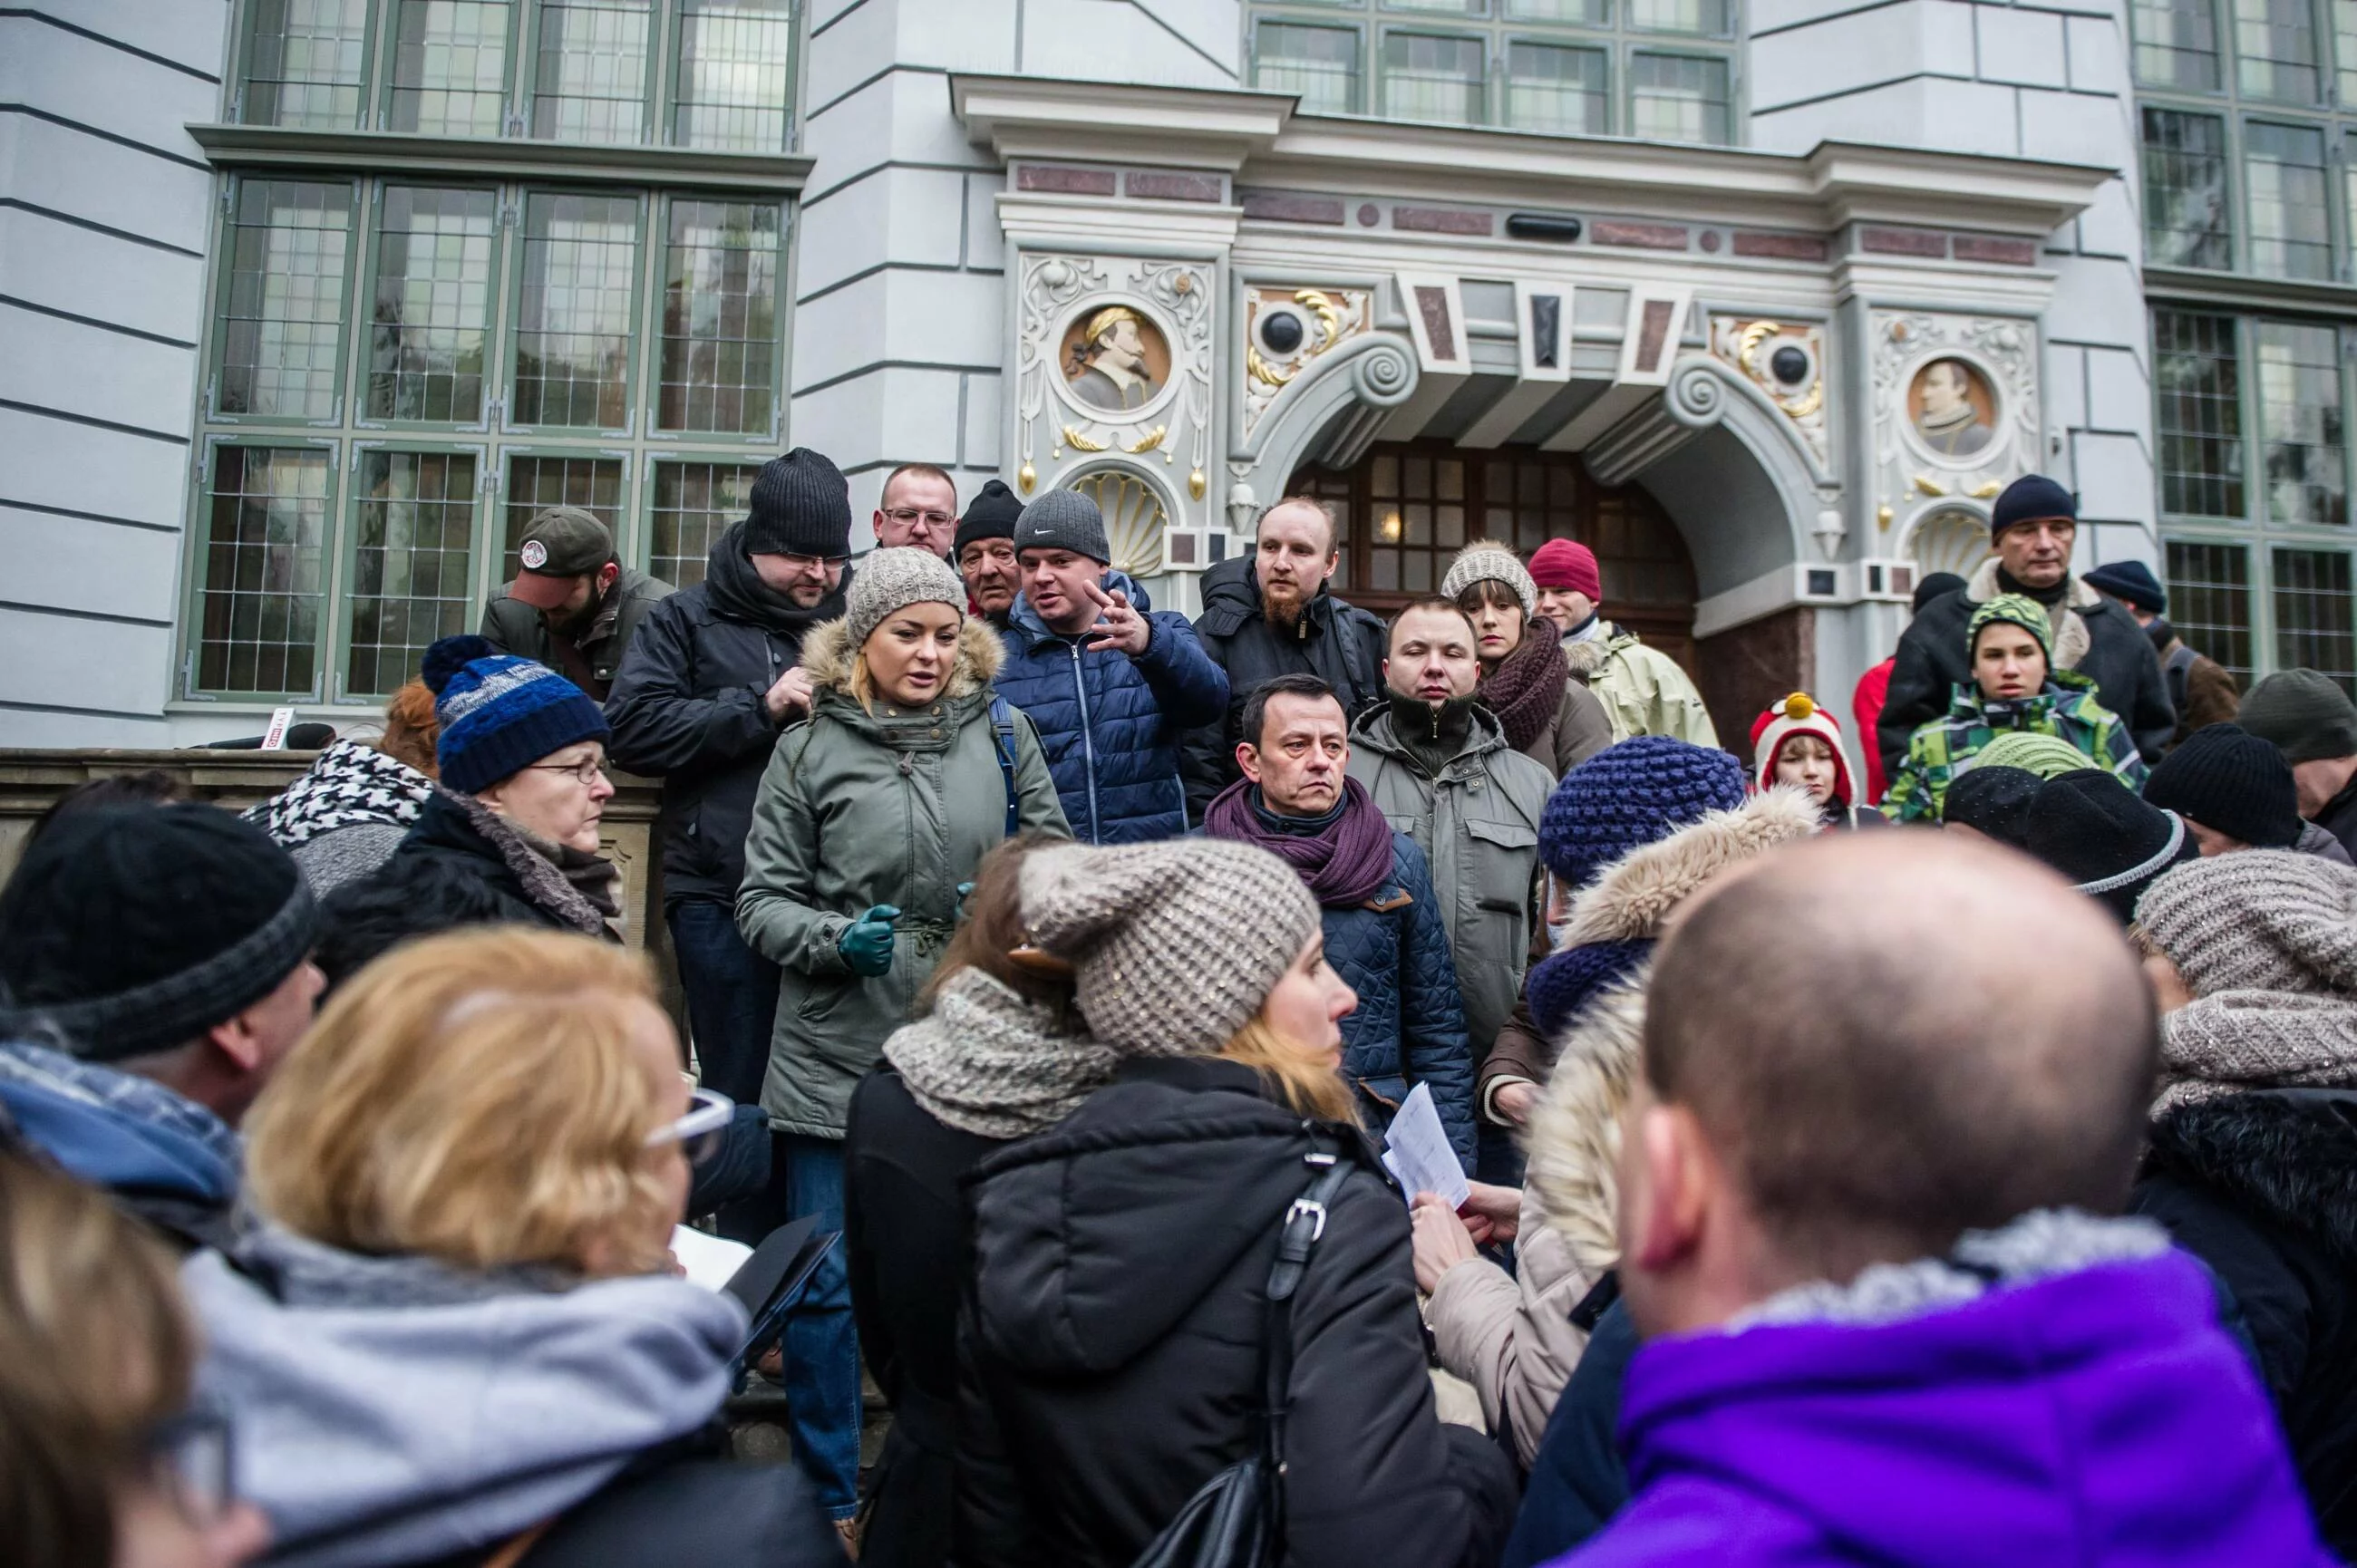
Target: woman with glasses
455,1332
102,1461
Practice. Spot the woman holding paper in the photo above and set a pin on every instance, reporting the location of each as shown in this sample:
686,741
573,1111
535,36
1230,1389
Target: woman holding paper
455,1330
1118,1308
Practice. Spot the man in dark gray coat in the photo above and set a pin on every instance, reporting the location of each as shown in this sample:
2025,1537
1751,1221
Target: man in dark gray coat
572,607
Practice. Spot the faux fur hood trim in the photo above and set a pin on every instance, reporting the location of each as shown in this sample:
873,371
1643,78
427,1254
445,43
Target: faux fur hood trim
2072,639
545,883
1637,892
2290,1158
1574,1138
828,655
1588,657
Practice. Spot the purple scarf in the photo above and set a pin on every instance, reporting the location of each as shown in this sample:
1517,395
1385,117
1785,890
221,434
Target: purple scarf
1343,863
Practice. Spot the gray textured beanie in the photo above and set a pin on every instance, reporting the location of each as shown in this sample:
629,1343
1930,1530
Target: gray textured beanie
889,580
1483,562
1174,945
1063,519
2259,919
2306,714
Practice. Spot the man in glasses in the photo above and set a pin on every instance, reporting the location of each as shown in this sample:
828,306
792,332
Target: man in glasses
918,510
572,607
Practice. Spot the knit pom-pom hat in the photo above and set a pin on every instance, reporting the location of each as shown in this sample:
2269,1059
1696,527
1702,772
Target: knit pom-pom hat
1798,714
1483,562
1628,796
891,580
1174,946
2257,920
500,714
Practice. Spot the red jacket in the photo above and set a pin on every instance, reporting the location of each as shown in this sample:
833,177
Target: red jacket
1867,703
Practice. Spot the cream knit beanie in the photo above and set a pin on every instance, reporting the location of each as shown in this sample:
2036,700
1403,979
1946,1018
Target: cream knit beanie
1483,562
889,580
1174,945
2257,920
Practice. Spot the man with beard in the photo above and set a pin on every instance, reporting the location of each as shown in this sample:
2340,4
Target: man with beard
713,677
573,607
1273,613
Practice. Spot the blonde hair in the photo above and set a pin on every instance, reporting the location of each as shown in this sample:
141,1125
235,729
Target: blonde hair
1302,1081
473,1098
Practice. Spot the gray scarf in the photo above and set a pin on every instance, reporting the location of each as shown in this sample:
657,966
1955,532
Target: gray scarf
2235,1040
573,884
986,1061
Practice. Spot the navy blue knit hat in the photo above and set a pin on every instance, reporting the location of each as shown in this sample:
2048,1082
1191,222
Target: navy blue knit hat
2027,499
500,714
1630,794
1563,984
2132,581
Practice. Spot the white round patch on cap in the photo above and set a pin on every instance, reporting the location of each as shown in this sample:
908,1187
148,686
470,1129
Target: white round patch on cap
535,554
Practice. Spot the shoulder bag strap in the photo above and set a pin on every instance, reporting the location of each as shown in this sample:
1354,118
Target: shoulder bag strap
1002,729
1305,1223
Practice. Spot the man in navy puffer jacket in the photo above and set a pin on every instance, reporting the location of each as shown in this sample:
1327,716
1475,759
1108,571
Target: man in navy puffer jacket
1112,687
1384,934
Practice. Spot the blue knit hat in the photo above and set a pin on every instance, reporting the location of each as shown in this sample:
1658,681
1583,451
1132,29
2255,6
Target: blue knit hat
1563,984
1630,794
500,714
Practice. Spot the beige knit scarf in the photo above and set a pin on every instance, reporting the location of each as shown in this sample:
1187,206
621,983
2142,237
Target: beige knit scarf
986,1061
2231,1041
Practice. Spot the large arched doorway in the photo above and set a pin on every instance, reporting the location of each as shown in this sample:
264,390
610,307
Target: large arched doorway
1407,508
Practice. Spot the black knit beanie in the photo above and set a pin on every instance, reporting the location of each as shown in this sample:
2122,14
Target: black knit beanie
2028,499
2303,713
1994,801
2095,831
990,515
802,505
137,930
2230,780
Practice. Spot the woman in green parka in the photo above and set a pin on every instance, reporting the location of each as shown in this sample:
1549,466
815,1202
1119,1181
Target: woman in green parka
872,813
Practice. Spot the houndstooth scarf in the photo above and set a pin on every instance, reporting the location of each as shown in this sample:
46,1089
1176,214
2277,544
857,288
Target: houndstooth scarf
350,784
986,1061
2237,1040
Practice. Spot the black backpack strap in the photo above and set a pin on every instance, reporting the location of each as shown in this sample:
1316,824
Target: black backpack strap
1305,1223
1002,730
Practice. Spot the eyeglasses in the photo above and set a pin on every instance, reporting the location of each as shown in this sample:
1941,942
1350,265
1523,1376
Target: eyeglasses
906,516
584,773
814,563
194,1453
700,1133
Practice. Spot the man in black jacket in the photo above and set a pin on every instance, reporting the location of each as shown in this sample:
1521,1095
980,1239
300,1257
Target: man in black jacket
2031,531
711,678
1272,614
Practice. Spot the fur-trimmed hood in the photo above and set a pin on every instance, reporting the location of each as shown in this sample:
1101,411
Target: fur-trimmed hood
2289,1157
1638,892
828,655
1574,1137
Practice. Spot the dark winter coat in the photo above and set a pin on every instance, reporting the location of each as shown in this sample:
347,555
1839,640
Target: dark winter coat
2338,818
2201,689
1579,1481
514,626
458,862
1409,1028
2096,636
1113,1330
904,1234
1112,724
2262,1187
1339,643
690,707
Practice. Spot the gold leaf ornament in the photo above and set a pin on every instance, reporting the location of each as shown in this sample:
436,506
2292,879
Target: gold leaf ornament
1080,443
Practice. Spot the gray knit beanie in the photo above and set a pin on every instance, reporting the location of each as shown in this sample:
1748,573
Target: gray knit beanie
1483,562
1063,519
2306,714
2257,920
1174,945
889,580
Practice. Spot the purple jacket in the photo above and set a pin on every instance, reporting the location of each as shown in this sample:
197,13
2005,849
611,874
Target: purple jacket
2097,1418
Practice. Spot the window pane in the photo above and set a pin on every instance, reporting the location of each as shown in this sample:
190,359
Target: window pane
264,533
2312,623
1677,98
283,313
450,68
589,83
1454,7
304,62
1580,12
1321,64
573,325
695,504
414,539
2299,420
2210,602
2199,389
2185,207
2344,49
433,303
720,319
1707,17
2290,217
1562,91
735,74
2176,43
534,484
2276,40
1426,78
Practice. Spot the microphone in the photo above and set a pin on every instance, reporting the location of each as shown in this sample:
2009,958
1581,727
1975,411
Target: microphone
312,736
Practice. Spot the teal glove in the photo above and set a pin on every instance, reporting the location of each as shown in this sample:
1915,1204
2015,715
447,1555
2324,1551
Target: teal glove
867,943
965,891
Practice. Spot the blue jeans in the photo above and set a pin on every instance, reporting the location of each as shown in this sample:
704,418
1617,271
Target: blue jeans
732,998
823,1402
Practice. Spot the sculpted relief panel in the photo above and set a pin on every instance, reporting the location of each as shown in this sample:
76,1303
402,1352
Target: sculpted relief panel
1955,420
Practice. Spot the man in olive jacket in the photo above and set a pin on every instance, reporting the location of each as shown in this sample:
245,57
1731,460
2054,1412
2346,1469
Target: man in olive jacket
573,607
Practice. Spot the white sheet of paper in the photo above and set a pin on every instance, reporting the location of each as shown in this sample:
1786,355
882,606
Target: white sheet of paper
710,1260
1416,1151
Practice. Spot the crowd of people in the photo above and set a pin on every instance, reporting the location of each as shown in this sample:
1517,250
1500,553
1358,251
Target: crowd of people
1290,1085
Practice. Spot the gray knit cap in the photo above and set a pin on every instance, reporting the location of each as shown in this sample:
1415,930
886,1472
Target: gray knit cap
1483,562
1063,519
2258,919
1174,945
2306,714
889,580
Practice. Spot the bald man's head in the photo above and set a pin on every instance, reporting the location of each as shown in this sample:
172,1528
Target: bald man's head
1890,1038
